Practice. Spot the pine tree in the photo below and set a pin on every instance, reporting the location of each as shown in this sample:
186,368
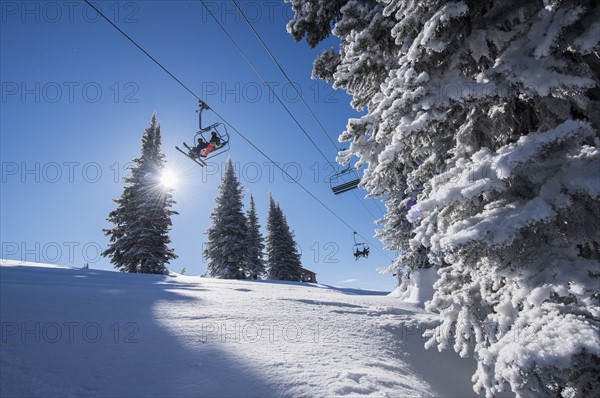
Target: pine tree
482,134
255,264
226,248
283,260
142,220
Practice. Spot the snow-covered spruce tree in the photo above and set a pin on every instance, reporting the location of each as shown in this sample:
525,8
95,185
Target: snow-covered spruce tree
283,260
142,220
255,264
226,248
483,138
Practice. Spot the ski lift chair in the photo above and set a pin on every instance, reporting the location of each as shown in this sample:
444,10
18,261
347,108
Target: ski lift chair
344,181
360,249
206,132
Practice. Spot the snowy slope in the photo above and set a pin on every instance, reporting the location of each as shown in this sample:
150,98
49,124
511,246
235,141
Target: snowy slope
77,332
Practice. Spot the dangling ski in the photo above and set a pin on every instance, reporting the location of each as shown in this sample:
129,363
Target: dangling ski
193,159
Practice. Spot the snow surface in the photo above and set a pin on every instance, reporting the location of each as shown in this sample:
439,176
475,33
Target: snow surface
84,332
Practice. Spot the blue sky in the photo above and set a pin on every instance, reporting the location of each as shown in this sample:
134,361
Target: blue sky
76,97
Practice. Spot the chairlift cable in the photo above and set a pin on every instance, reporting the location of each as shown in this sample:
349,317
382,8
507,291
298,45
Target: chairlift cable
285,74
297,92
141,49
379,208
247,59
299,95
243,54
364,205
272,56
229,124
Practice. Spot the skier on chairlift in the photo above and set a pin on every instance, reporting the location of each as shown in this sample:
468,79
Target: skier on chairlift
214,139
360,248
218,142
361,253
198,150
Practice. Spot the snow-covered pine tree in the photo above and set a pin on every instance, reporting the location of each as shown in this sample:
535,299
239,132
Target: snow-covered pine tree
139,238
226,248
283,260
255,264
482,133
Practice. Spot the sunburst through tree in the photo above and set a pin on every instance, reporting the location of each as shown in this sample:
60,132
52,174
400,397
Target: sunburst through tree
142,220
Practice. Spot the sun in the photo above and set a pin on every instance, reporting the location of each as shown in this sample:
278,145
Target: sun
168,179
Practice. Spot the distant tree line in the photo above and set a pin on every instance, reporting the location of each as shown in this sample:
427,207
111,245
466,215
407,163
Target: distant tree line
236,248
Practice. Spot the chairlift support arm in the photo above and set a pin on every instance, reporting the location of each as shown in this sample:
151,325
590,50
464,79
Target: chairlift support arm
354,233
201,107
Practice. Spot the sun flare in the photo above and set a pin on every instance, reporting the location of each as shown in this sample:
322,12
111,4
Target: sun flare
168,179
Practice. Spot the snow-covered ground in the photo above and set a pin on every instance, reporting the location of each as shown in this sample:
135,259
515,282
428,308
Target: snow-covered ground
78,332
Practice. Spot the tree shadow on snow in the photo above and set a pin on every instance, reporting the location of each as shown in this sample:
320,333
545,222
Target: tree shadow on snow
71,332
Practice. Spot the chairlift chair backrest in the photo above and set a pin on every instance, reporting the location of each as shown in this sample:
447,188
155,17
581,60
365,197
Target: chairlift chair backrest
344,181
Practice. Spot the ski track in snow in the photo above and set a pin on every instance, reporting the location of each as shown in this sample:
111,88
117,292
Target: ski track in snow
76,332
